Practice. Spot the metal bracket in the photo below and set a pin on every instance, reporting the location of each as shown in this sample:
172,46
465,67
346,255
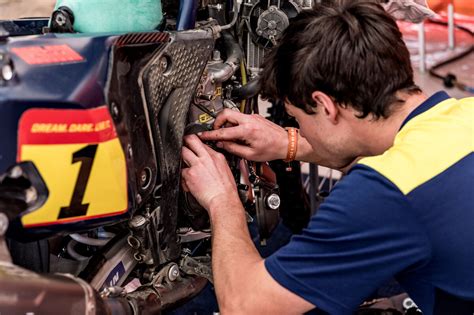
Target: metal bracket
199,266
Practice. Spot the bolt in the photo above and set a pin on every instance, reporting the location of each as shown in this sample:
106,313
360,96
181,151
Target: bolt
271,9
145,177
115,110
137,221
259,32
7,72
216,55
139,198
173,272
273,201
16,172
60,19
272,25
3,223
31,194
163,63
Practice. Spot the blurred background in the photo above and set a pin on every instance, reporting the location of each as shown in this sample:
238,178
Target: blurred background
10,9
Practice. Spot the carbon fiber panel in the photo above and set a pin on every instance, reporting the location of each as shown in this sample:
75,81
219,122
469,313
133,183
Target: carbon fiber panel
169,83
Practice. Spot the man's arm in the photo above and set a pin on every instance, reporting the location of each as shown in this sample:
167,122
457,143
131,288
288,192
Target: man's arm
243,285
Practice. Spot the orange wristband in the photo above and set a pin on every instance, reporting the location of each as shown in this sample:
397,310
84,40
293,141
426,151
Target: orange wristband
292,144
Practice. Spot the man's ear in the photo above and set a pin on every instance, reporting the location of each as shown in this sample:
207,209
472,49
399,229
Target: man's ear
326,106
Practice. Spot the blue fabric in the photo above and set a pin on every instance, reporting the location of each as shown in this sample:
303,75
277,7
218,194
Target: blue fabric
367,231
433,100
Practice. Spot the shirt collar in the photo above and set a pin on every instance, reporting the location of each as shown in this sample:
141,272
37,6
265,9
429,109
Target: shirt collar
432,101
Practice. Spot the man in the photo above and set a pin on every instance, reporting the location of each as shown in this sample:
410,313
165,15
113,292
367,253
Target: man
404,211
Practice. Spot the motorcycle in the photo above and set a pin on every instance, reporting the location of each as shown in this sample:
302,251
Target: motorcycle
94,121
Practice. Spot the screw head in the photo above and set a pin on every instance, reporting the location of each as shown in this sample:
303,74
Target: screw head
273,201
115,110
145,177
173,272
163,64
61,19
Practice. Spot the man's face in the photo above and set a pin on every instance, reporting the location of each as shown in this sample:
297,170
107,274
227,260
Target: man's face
331,142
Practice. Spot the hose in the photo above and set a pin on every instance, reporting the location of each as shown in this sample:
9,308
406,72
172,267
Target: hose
247,91
450,80
73,253
235,10
89,240
105,237
223,71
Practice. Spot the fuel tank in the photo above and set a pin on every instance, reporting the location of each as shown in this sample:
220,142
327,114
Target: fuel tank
99,16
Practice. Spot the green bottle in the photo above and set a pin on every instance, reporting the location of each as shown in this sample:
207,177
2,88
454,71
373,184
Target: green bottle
114,16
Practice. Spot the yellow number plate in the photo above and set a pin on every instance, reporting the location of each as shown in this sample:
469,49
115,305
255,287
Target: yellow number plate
80,158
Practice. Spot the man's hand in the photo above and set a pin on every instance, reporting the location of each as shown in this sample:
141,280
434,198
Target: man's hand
208,177
249,136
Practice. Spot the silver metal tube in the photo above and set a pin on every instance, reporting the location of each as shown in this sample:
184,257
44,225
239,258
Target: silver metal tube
89,241
422,46
73,253
451,38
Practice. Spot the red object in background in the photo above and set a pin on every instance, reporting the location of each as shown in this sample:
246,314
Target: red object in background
460,6
41,55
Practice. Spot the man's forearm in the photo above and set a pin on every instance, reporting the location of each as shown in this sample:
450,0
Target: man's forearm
234,254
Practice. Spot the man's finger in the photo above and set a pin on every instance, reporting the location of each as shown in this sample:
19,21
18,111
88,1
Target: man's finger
229,116
195,144
189,157
237,149
210,150
184,186
224,134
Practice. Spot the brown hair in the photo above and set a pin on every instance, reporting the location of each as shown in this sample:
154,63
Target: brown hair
351,50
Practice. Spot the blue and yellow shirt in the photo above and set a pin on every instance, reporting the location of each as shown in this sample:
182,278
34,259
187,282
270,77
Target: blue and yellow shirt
408,214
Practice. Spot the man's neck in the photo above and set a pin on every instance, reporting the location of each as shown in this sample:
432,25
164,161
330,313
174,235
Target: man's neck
381,133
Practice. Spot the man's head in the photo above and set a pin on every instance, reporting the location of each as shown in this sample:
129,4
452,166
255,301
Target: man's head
350,50
348,53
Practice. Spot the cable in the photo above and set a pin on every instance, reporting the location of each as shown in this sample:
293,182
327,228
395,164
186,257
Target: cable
450,80
243,74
